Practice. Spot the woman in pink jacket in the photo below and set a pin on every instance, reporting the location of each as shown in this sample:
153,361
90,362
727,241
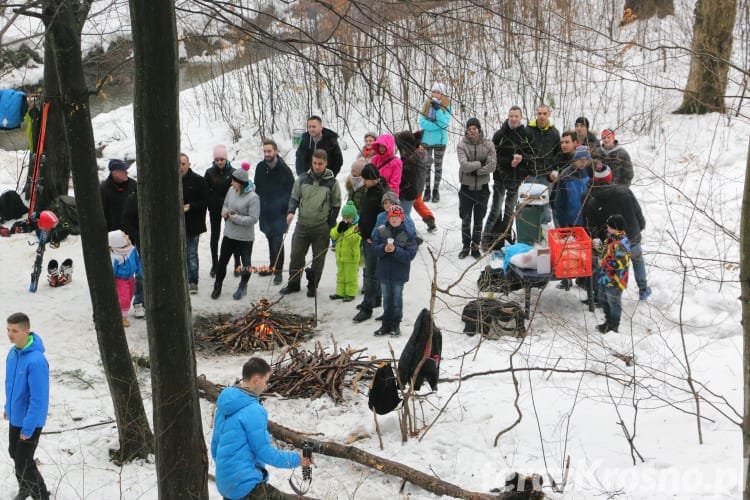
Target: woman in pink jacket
385,160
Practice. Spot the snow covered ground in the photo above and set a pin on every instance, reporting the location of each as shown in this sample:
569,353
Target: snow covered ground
575,397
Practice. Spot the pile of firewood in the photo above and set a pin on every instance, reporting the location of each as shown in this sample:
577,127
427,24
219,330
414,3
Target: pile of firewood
310,374
261,328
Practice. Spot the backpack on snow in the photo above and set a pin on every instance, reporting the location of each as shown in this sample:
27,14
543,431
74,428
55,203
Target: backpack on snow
494,319
13,108
11,206
64,207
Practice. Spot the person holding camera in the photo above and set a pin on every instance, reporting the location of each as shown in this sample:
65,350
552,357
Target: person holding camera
241,445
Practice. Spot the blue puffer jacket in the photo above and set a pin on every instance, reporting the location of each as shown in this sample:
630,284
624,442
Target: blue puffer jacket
394,266
241,445
568,196
27,386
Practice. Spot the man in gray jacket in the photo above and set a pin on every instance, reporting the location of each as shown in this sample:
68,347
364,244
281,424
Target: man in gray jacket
317,197
476,159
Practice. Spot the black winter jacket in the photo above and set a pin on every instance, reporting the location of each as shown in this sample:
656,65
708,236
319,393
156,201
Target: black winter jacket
414,351
509,142
610,199
113,200
274,186
545,144
218,180
372,205
329,142
130,223
194,193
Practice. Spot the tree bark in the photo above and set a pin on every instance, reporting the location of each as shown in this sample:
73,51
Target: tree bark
64,30
745,301
711,50
181,458
430,483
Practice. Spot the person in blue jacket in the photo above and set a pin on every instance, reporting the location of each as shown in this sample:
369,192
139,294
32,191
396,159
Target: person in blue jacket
434,119
241,445
26,403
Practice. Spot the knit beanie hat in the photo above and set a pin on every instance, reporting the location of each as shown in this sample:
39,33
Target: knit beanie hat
602,174
390,195
583,120
616,222
607,132
220,152
349,210
369,172
582,153
397,211
439,87
473,122
240,175
117,164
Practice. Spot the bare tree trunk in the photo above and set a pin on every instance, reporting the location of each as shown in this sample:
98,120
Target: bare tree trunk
745,300
711,50
64,30
56,170
181,459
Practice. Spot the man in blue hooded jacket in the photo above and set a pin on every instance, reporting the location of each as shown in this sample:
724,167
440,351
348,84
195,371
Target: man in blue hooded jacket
241,445
26,403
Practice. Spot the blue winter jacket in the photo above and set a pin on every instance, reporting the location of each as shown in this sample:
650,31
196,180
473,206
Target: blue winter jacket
435,128
382,219
241,445
394,267
27,386
125,267
568,196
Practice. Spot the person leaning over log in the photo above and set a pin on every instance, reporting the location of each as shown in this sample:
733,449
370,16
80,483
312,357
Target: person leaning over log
241,445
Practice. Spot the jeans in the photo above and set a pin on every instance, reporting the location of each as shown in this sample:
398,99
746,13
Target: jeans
276,251
504,195
229,248
407,206
472,204
192,258
138,297
305,237
611,301
639,266
30,480
371,287
393,302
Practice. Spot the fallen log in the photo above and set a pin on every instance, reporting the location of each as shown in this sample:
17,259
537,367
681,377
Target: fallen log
210,391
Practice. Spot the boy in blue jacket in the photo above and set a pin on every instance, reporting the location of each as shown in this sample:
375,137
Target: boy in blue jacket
395,244
241,445
26,403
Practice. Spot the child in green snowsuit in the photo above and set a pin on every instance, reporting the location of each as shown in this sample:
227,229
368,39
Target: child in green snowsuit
348,241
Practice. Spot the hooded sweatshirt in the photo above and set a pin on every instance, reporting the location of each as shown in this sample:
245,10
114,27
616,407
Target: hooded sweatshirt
244,209
27,386
389,165
241,445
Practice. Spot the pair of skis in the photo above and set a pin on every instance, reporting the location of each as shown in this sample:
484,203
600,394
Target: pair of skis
42,234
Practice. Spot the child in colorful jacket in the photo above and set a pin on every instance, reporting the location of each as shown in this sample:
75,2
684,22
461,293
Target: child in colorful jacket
126,265
614,263
348,241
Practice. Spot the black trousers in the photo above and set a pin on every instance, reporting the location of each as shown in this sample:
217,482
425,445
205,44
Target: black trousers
215,219
230,247
472,204
276,251
22,451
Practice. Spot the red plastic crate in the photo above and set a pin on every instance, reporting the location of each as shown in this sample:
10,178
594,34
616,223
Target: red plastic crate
570,252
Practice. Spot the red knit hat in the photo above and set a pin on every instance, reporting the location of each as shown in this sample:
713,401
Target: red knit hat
602,174
396,211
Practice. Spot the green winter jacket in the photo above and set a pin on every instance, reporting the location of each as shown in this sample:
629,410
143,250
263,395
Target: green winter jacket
317,199
347,244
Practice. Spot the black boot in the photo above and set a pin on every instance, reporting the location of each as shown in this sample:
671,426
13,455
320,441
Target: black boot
241,291
426,195
362,315
430,221
435,195
216,291
277,278
384,329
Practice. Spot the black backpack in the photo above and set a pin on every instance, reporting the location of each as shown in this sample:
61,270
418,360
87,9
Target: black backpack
383,396
416,348
11,206
64,207
495,280
494,319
